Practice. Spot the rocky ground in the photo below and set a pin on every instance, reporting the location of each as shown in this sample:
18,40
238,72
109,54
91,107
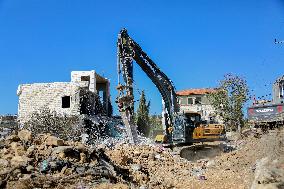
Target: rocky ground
44,161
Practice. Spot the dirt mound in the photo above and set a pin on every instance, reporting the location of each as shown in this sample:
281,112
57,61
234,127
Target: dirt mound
245,167
152,167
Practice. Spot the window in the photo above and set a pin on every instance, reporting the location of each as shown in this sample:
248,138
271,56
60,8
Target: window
189,101
102,95
198,100
183,101
281,90
66,102
85,78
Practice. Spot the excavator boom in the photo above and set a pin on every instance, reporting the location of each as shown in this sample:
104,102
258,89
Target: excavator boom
128,52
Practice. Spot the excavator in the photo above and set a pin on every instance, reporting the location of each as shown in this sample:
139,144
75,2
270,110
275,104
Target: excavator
177,127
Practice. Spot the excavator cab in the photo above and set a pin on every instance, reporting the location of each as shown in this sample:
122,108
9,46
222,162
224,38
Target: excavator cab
181,131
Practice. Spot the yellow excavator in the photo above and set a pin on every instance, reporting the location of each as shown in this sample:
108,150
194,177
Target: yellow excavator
178,127
202,132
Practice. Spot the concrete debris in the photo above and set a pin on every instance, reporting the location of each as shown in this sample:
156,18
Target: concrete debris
25,135
268,174
46,161
53,141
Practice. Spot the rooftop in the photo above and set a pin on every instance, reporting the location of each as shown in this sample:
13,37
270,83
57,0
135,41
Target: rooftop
195,91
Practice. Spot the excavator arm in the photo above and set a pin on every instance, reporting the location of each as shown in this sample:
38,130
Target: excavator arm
128,52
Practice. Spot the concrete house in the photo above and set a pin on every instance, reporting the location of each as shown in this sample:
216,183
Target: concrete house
196,101
70,98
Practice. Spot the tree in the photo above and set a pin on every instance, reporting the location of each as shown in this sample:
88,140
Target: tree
155,124
142,116
229,99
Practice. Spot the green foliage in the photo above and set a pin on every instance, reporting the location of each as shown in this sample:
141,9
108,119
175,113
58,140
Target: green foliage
142,116
155,124
229,99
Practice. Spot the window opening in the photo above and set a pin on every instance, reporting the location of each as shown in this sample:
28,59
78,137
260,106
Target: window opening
85,78
189,101
198,100
66,102
281,90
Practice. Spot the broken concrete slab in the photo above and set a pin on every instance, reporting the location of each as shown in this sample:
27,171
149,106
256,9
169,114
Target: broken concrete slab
54,141
25,135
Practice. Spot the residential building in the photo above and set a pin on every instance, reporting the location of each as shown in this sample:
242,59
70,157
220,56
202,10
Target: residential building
196,101
69,98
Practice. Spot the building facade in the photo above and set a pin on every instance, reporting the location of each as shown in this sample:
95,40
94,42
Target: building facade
69,98
196,101
278,90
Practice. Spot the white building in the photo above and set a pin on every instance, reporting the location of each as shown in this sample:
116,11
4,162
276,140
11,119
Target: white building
69,98
196,101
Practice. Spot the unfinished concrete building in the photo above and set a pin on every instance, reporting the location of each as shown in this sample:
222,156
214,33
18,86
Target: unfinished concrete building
78,97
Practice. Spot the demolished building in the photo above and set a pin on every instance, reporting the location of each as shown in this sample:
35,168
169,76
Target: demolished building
78,97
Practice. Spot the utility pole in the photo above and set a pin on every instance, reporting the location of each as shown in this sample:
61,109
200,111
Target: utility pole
278,42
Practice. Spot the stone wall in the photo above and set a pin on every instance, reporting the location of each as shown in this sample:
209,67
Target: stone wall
90,76
34,97
97,84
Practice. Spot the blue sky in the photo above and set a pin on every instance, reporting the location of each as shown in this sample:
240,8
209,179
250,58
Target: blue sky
194,42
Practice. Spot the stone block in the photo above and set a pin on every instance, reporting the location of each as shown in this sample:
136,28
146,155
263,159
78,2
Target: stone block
53,141
25,135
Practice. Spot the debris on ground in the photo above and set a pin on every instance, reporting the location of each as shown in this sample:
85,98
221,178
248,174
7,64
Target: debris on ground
46,161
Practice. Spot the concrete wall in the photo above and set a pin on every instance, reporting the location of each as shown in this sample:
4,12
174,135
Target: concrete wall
184,99
96,84
82,90
77,76
205,109
34,97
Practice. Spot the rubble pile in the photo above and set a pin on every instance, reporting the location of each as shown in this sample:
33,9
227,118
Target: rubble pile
257,162
152,167
44,161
